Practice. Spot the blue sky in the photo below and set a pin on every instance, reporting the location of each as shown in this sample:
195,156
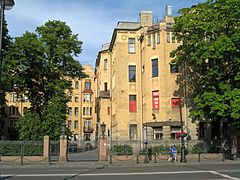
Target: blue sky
92,20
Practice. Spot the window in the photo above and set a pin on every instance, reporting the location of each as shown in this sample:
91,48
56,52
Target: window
87,124
90,111
76,111
132,73
155,99
13,111
69,97
155,68
69,111
25,110
76,98
149,40
14,98
105,64
70,84
87,137
13,123
175,102
168,37
76,124
157,133
105,86
75,137
132,132
174,131
132,103
158,38
76,84
25,98
173,38
87,111
87,98
108,110
87,85
174,68
131,45
154,41
69,124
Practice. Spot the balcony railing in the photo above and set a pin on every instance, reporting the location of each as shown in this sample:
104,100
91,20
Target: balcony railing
105,94
87,129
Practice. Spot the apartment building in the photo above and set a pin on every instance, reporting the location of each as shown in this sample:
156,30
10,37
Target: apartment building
138,94
81,109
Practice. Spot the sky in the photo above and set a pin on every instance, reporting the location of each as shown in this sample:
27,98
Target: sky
93,20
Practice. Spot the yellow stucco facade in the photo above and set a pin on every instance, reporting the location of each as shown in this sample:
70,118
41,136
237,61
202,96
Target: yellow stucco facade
81,109
142,82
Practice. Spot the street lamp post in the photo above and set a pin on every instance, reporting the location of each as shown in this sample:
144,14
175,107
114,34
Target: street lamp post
63,129
146,160
183,155
103,129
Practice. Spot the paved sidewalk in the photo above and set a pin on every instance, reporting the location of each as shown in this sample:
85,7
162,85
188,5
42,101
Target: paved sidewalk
102,164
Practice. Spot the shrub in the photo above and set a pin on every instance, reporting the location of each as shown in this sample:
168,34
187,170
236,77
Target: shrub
16,149
195,149
122,149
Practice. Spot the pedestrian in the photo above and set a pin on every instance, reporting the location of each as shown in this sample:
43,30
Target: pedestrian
173,150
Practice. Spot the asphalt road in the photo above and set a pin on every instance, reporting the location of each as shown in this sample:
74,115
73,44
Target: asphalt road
165,172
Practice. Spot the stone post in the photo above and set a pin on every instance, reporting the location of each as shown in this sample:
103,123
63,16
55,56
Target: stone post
63,148
46,148
103,148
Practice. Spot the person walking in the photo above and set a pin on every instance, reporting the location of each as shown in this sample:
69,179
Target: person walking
173,150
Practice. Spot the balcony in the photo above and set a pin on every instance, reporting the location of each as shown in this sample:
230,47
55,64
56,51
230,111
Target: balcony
104,94
87,129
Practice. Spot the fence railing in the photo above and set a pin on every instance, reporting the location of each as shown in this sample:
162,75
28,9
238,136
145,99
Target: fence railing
18,148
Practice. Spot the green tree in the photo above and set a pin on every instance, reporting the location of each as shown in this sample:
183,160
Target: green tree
210,58
4,83
30,126
38,66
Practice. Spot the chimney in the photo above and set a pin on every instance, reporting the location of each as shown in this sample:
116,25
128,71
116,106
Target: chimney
146,18
168,10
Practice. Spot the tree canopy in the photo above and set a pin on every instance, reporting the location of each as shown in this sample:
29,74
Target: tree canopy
4,83
38,66
210,55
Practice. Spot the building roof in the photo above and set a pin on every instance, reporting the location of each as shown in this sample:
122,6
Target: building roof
105,47
128,25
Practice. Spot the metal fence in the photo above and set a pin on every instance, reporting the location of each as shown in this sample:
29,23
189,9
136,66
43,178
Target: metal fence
83,151
21,151
54,150
159,151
